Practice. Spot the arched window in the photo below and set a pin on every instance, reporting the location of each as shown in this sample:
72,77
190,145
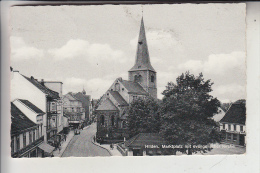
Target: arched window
123,124
112,120
138,78
102,120
152,78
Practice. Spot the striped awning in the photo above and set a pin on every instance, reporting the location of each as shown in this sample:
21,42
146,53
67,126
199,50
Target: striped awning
46,147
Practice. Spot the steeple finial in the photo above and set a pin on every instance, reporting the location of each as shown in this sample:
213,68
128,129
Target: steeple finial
83,91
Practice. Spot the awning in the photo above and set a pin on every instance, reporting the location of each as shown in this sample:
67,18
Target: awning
46,147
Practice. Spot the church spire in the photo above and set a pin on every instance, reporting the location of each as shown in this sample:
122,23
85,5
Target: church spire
142,60
83,91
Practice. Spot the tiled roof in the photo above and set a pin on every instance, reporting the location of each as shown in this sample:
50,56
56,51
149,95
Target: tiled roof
120,100
134,87
143,139
85,99
19,121
43,88
107,105
236,113
32,106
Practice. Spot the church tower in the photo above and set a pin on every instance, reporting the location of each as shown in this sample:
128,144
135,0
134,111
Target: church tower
142,71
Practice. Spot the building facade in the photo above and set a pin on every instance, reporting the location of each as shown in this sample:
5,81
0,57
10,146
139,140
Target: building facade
73,109
232,125
86,103
47,100
112,108
26,135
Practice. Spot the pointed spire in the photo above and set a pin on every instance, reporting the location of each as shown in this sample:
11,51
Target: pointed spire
142,60
83,91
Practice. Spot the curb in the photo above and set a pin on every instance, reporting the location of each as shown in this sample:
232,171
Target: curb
100,146
66,146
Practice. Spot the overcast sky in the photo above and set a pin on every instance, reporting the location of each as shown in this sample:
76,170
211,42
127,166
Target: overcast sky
91,46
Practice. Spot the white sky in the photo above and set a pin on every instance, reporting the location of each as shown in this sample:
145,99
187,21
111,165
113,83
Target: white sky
93,45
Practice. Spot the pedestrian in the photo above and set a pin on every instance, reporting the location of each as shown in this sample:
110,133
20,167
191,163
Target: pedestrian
59,148
111,146
94,138
65,136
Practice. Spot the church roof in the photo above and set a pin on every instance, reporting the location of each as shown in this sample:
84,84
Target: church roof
107,105
142,60
134,87
236,113
120,100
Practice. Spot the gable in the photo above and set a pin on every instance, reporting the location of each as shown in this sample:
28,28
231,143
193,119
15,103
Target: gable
107,105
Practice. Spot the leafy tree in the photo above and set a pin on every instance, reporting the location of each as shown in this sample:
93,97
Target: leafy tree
143,116
187,109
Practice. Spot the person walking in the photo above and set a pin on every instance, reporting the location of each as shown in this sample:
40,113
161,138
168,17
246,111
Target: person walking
65,136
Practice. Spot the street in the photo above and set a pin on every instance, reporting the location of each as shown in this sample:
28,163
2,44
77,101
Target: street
81,145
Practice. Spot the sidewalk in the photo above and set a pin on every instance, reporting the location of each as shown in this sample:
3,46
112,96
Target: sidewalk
113,152
64,145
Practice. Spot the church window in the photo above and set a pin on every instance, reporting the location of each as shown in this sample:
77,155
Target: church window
152,78
123,124
112,120
123,89
102,120
138,78
107,93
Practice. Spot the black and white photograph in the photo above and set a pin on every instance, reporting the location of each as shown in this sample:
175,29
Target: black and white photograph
128,80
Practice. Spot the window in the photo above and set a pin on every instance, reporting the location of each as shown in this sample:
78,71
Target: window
102,120
229,127
17,143
134,97
235,127
72,109
123,89
117,87
53,106
152,78
112,120
234,137
24,139
224,127
123,124
30,137
241,128
33,135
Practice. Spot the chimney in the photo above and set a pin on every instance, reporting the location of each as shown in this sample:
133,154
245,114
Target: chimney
32,78
120,79
11,68
42,82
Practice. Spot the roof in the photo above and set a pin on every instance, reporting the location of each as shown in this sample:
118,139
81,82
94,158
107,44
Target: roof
134,87
71,97
85,99
46,147
142,60
107,105
32,106
120,100
217,117
143,139
20,121
43,88
236,113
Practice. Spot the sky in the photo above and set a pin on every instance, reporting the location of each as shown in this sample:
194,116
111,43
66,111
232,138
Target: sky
91,46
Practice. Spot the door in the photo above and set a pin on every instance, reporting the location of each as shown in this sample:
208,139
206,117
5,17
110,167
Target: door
242,140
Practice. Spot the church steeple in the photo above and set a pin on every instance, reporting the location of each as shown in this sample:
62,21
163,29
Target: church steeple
142,71
142,60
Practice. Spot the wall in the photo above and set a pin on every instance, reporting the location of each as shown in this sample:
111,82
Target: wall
55,86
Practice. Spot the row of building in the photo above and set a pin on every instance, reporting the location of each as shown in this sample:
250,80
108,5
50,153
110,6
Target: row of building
41,115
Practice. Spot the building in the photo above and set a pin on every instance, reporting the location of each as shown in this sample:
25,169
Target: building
73,109
142,82
47,100
85,100
232,125
26,136
143,144
219,115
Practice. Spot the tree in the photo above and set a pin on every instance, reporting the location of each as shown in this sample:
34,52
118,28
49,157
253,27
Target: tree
143,116
187,108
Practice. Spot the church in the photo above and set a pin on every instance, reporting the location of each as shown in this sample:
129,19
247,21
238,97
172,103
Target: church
142,82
